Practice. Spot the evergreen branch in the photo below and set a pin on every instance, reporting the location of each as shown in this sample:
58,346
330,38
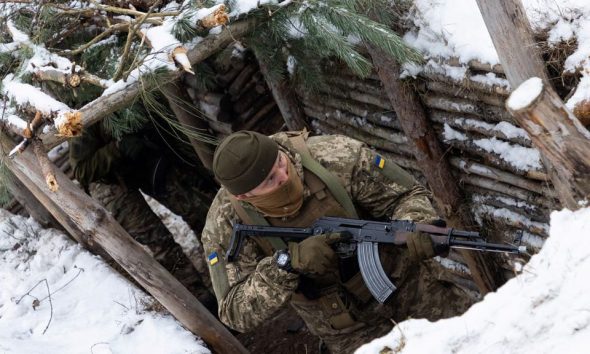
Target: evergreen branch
326,37
371,32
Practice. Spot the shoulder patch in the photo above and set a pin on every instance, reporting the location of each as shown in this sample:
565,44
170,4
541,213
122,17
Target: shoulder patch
379,161
212,258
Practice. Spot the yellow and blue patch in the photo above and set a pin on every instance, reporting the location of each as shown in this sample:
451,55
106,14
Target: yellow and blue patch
212,258
379,161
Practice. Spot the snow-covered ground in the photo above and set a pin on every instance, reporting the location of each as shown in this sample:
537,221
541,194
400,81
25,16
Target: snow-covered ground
56,298
545,309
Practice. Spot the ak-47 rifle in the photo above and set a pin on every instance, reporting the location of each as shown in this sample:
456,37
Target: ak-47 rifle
364,237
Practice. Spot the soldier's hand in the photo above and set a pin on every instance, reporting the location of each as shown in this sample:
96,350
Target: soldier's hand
315,255
420,246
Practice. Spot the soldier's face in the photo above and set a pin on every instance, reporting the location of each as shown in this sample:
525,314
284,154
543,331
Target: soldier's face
278,175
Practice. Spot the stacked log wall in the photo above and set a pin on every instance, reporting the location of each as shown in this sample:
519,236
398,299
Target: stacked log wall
503,196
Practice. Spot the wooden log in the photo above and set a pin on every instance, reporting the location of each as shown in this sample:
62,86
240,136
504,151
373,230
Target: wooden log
226,78
508,190
379,102
247,99
379,117
490,159
469,166
467,83
476,65
72,80
46,165
92,225
264,111
240,81
125,96
443,88
178,100
284,96
256,81
356,122
515,220
559,136
533,212
463,106
352,132
260,103
472,124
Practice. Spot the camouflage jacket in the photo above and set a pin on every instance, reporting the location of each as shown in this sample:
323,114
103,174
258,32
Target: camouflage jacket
250,290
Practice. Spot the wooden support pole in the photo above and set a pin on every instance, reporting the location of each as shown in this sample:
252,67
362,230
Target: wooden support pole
285,97
430,158
563,142
185,113
92,225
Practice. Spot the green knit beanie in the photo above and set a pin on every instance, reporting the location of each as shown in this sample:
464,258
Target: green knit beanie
243,160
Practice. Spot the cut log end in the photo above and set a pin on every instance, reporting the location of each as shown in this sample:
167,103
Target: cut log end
525,95
216,18
582,111
74,80
70,125
51,182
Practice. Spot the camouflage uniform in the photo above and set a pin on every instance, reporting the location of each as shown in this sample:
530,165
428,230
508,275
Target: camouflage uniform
252,289
115,182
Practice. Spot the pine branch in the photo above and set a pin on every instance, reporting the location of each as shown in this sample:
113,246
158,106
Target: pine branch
327,37
371,32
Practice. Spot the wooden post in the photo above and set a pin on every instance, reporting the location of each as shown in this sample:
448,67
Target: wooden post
179,103
92,225
431,161
285,97
563,142
555,132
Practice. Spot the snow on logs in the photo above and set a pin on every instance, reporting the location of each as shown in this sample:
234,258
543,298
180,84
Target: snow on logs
31,99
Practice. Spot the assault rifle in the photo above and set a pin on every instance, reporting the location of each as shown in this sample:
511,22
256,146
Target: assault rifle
364,237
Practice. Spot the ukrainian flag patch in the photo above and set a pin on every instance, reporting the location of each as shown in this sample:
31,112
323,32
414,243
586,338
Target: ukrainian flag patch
212,258
379,161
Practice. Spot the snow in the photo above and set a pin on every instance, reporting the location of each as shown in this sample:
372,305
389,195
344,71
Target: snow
92,309
525,94
542,310
24,95
521,157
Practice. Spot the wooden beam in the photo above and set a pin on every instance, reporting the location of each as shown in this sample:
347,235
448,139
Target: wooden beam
562,140
92,225
284,96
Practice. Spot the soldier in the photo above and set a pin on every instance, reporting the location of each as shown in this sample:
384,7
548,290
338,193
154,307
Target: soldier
115,172
291,180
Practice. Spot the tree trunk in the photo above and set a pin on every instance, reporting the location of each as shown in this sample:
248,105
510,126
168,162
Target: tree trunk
91,225
179,103
563,142
285,97
431,160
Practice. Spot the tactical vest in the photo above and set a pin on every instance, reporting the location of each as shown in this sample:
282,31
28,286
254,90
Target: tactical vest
328,198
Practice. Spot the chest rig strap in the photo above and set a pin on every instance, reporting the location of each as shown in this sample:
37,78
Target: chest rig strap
333,184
